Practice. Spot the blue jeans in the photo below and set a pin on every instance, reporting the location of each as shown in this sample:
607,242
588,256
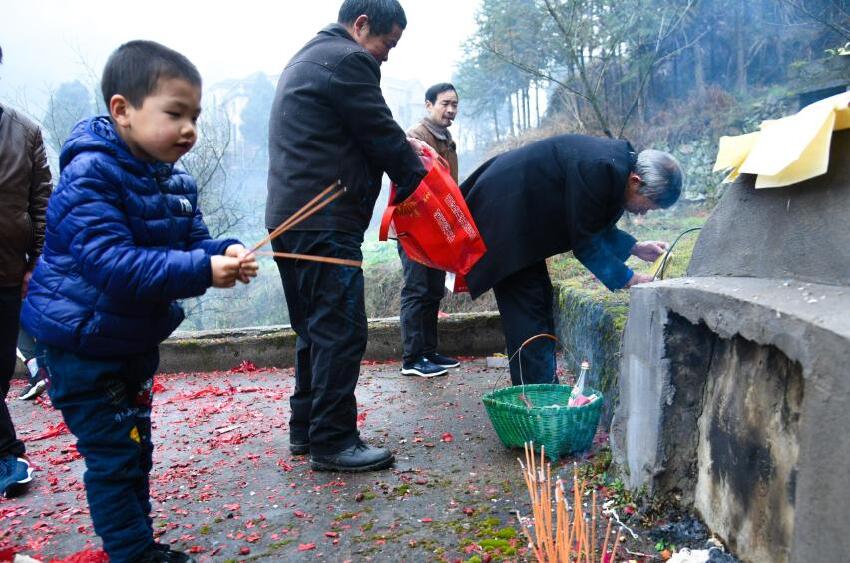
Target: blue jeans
106,404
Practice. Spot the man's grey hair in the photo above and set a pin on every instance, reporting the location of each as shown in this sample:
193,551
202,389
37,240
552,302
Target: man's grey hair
661,177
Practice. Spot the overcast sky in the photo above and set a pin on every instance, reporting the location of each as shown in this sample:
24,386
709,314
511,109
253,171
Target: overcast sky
47,42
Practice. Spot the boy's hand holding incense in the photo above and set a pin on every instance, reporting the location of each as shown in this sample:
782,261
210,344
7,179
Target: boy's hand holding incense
225,270
248,266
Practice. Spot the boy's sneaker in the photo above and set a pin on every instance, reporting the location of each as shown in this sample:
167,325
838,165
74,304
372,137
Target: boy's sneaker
423,367
15,475
442,361
36,386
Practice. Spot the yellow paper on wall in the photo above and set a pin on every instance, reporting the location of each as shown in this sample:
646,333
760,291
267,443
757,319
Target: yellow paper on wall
789,150
732,152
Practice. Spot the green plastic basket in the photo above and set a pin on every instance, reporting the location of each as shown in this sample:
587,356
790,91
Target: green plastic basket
548,422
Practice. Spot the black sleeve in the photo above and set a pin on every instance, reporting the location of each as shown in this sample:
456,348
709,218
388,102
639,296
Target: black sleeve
356,90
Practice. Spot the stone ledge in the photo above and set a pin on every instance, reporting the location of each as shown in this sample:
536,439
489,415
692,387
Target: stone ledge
466,334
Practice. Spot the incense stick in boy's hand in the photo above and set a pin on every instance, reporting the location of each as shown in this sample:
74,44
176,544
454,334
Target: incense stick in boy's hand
248,266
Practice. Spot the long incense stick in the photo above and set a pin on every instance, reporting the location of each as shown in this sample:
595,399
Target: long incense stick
616,545
326,259
570,536
306,211
604,556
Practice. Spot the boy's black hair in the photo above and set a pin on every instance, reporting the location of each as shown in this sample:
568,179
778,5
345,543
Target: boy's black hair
437,89
382,14
134,69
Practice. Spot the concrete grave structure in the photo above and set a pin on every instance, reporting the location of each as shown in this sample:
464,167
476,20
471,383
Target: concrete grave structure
735,381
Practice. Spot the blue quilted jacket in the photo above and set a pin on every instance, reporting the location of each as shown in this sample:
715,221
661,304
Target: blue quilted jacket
124,240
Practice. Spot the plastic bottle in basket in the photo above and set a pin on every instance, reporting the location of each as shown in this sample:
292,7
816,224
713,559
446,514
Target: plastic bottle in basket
577,397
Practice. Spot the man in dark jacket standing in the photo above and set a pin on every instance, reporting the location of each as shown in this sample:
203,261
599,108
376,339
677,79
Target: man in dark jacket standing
560,194
24,190
330,122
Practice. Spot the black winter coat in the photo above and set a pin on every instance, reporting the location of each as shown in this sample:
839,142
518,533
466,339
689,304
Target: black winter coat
559,194
329,121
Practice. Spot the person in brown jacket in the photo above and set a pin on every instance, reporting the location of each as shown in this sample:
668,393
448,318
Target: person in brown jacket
25,187
423,286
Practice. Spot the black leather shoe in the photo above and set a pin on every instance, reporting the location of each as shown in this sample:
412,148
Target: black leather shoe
442,361
299,448
356,458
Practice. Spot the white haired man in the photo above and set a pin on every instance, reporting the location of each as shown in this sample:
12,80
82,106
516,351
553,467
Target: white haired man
564,193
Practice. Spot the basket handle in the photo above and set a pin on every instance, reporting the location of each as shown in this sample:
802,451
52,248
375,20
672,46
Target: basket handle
524,344
518,352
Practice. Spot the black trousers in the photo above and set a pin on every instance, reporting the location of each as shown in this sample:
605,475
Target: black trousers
421,293
10,314
526,304
328,313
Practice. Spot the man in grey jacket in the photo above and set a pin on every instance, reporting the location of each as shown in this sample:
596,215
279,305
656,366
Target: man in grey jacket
24,189
329,123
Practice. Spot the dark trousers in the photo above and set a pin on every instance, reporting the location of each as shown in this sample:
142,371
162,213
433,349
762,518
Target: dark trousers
28,347
420,302
10,313
328,313
107,406
525,304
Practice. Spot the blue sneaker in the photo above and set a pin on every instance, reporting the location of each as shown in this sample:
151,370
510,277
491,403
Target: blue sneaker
15,475
423,368
442,361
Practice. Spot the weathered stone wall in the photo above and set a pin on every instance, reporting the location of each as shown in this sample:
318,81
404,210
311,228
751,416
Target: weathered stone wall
735,394
590,326
799,232
731,445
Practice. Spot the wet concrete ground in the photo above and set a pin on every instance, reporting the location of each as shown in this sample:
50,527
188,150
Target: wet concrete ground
226,488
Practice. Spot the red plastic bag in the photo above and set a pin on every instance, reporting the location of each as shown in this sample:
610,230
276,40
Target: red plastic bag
434,225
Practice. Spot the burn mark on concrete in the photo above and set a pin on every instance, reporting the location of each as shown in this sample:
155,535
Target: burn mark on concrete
743,462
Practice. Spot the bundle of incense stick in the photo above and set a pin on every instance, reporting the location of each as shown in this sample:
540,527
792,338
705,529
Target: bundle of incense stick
327,195
572,536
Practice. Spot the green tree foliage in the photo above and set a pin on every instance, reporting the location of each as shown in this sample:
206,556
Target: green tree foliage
615,66
673,74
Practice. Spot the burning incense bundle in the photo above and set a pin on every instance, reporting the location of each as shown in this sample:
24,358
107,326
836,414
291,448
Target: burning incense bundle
327,196
572,536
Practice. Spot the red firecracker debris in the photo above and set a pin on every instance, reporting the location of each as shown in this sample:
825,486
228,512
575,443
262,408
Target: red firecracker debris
52,431
247,366
306,546
447,437
85,556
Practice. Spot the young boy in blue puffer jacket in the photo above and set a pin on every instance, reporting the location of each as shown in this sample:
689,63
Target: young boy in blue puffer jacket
125,239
